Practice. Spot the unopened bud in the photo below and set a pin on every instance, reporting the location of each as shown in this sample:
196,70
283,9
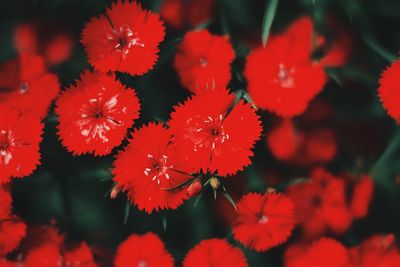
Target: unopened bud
271,190
215,183
115,191
194,188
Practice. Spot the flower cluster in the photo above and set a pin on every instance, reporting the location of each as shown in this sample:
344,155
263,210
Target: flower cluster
322,204
204,144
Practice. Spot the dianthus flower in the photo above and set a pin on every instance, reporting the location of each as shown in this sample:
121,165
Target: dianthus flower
12,229
282,77
143,250
150,167
389,91
204,60
214,133
94,114
125,39
55,48
215,252
45,247
322,203
181,13
324,252
26,85
20,135
377,251
263,221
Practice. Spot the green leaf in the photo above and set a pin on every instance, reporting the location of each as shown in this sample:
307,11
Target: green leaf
269,15
127,211
197,200
230,199
379,49
179,186
387,166
164,221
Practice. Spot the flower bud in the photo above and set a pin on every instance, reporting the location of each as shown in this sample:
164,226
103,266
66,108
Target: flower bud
194,188
215,183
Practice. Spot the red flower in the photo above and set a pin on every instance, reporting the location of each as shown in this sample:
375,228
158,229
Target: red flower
215,252
377,251
27,85
56,48
362,196
44,246
145,250
325,252
389,91
20,136
321,204
263,221
25,39
179,13
301,146
46,255
125,39
5,202
284,141
95,114
79,256
6,263
214,133
282,77
12,229
149,166
204,60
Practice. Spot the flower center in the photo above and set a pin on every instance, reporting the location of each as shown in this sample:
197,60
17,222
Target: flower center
124,39
263,219
208,132
203,62
158,168
316,201
285,76
23,87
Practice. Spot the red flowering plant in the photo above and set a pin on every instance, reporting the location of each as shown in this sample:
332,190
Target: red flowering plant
199,133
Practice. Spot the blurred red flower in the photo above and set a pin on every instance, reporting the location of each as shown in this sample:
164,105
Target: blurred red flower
362,196
143,250
215,252
263,221
149,167
45,246
20,135
214,133
12,229
95,114
325,252
204,60
181,13
125,39
26,84
389,92
301,146
377,251
55,47
322,203
282,77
